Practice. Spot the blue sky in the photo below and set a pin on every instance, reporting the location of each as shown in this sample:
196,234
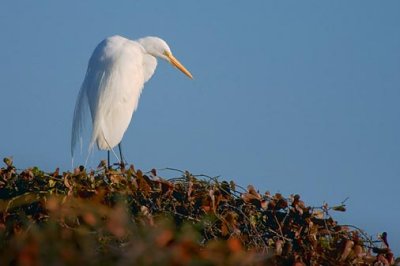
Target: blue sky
291,96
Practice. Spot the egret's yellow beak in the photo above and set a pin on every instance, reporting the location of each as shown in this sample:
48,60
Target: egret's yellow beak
177,64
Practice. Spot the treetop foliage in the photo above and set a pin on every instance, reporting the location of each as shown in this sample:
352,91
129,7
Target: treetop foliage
124,216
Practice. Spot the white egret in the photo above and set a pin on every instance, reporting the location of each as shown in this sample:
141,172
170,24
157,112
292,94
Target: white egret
116,73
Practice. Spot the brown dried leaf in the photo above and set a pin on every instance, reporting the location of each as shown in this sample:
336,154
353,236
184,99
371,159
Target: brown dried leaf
347,249
224,229
359,251
340,208
8,161
252,191
232,185
318,214
278,247
143,185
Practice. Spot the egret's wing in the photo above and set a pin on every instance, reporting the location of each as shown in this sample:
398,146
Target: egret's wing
78,122
88,96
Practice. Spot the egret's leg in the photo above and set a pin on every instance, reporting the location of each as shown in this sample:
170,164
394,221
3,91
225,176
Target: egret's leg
108,159
120,155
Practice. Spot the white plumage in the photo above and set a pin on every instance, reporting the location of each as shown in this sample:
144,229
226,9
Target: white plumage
117,71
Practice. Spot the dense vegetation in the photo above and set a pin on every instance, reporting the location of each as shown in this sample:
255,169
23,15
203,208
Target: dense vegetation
123,216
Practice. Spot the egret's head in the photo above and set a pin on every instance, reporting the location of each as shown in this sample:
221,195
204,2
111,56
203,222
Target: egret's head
159,48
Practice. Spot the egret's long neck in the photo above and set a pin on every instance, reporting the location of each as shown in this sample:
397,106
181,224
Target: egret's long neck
149,66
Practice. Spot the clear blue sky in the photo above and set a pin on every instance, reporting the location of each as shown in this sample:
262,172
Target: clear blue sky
291,96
